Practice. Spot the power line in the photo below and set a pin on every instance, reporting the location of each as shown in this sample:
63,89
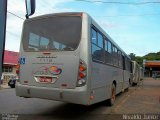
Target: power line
124,3
138,3
15,15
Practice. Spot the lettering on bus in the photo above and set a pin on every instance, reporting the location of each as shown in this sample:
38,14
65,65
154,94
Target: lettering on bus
48,70
46,60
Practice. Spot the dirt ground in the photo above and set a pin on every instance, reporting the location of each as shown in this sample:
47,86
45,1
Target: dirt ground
141,99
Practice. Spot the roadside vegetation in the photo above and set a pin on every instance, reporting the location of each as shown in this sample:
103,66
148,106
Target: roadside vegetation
149,56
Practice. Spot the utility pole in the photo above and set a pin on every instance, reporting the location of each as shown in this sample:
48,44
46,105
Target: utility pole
3,15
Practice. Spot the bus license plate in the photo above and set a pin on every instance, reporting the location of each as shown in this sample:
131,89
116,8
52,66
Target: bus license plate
45,79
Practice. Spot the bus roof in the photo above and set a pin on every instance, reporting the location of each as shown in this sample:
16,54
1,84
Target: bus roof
56,14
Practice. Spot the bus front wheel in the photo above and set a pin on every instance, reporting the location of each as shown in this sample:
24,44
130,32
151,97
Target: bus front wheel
113,95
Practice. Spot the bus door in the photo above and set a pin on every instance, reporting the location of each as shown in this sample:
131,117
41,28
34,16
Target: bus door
124,69
126,72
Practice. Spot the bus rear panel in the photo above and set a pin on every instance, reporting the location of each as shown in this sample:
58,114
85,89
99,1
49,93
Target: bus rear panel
50,63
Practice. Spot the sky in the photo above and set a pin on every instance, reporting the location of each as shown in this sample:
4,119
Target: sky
134,27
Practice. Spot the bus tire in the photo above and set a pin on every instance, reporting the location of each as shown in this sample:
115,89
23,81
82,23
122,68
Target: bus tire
113,95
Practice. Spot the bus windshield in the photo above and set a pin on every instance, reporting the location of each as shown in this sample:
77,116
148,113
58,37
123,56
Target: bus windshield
54,33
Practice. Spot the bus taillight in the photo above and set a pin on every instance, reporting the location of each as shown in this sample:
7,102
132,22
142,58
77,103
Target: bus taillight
82,67
17,69
81,74
17,72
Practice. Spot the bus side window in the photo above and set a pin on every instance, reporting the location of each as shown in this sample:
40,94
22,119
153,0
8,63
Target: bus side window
109,47
106,52
100,40
128,64
124,65
97,46
94,36
131,67
119,59
110,52
116,56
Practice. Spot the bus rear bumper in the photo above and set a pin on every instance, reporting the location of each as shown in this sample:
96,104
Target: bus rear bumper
77,95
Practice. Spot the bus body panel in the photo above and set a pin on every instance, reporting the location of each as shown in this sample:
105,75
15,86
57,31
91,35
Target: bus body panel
77,96
102,80
64,88
126,79
39,65
103,75
136,72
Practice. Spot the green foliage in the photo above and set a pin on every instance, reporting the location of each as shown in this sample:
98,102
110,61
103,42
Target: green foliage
139,60
149,56
152,56
132,56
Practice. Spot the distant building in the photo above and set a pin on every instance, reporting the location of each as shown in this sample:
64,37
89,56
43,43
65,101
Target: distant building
9,65
151,68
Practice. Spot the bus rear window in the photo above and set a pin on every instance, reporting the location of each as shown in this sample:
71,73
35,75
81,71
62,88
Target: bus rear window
55,33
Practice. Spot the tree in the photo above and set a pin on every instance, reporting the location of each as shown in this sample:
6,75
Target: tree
139,60
149,56
132,56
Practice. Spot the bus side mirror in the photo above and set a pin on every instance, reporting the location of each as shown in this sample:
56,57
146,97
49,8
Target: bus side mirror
30,7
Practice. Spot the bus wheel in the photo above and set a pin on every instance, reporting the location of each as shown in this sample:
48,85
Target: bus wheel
113,95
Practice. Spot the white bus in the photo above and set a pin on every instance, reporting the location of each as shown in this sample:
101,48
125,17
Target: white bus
137,72
141,73
68,57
